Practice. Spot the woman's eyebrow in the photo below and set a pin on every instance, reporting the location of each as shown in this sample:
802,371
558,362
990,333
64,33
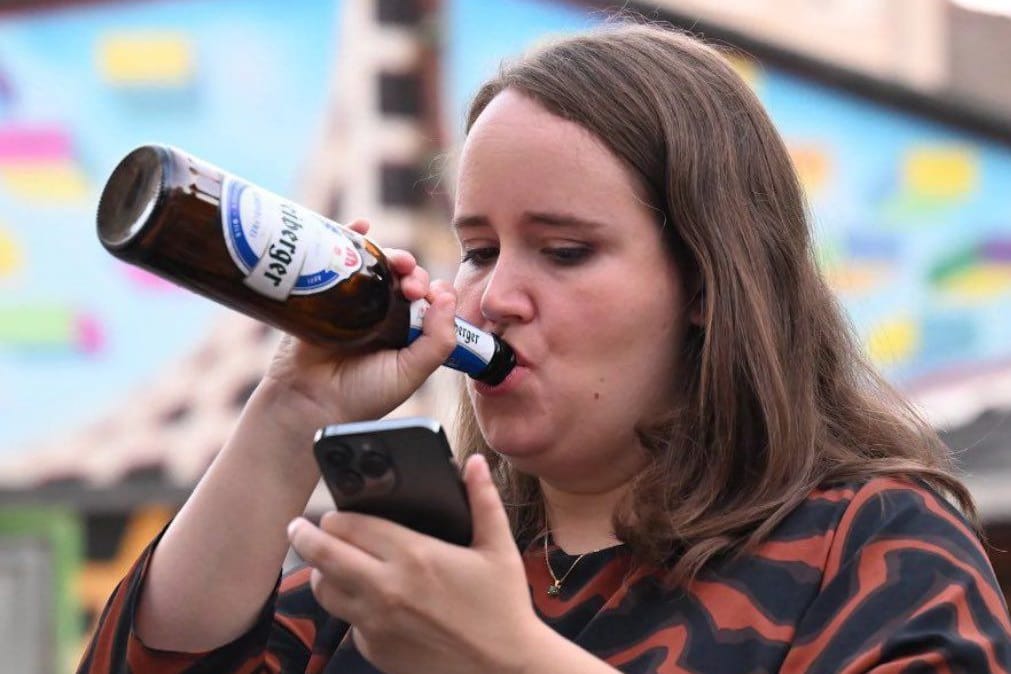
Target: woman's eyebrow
466,221
561,220
533,217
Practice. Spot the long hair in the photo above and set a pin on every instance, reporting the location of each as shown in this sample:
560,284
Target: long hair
775,397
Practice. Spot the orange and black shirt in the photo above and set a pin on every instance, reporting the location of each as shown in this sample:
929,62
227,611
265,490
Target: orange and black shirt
878,577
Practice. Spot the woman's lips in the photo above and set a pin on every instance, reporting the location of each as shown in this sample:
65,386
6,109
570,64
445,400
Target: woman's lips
507,385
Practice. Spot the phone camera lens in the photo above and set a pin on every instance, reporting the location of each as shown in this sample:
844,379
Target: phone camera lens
373,464
340,455
349,482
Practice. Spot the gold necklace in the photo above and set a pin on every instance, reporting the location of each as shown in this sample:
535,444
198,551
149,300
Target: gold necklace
555,589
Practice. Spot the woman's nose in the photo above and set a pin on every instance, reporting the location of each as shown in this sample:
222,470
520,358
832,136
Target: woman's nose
506,296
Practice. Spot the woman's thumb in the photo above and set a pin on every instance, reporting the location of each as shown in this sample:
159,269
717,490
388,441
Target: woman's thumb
437,339
491,524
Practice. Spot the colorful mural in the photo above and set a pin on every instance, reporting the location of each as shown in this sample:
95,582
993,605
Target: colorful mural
239,82
912,217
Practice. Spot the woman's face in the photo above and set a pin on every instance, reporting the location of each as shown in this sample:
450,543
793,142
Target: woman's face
563,258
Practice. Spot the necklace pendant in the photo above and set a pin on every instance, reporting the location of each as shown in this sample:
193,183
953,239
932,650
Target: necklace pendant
554,590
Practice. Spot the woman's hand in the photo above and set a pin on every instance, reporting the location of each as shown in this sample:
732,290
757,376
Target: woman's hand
418,604
331,388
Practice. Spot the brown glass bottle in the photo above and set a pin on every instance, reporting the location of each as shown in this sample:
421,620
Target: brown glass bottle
204,229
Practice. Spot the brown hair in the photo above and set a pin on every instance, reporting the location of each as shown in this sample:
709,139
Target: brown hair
776,397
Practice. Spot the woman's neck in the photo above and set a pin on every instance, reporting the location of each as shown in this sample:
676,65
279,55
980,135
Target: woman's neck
581,522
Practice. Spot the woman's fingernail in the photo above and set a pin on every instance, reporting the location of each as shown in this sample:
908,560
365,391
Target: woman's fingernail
293,526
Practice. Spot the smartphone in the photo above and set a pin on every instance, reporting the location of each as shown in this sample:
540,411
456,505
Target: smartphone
398,469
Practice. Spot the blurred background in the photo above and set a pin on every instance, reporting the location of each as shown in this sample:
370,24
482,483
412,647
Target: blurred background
117,389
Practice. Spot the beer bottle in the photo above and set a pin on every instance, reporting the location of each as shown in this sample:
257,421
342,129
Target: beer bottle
235,243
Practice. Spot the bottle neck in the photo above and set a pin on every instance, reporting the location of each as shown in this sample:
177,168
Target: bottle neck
479,354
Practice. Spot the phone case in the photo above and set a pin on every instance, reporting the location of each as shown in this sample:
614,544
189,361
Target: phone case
398,469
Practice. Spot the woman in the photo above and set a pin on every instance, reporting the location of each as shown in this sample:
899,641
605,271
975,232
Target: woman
699,472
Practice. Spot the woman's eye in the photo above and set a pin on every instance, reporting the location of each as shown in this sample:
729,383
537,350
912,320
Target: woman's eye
479,256
568,255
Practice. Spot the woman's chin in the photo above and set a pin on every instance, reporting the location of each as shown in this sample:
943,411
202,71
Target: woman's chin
514,446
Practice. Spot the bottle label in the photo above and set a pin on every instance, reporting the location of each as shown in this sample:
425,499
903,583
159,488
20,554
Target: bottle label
474,347
281,247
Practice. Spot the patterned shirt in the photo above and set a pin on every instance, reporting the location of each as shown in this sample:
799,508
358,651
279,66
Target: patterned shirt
881,577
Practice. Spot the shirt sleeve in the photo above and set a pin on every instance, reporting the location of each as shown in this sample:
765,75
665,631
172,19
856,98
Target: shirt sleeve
284,637
907,587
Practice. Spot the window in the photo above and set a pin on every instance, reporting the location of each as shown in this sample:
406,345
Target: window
399,12
400,94
401,185
334,204
176,414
